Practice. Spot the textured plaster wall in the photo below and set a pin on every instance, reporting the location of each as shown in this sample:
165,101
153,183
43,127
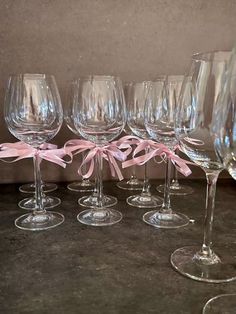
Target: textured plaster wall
135,39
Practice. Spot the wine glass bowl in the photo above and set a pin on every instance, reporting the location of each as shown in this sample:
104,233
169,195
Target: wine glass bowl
33,114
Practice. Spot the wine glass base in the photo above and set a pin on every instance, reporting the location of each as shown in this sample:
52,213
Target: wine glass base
143,201
40,221
30,187
131,185
92,201
176,189
99,217
30,202
83,186
183,261
165,221
223,303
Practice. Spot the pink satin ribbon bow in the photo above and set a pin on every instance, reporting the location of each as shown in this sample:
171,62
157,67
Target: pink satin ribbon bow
117,150
153,149
21,150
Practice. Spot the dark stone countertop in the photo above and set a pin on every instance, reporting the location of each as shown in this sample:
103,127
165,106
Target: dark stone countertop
121,269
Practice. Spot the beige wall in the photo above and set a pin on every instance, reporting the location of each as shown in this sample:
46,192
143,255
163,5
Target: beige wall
135,39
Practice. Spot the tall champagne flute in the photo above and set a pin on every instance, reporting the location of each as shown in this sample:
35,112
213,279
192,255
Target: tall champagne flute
136,96
198,102
33,114
173,86
92,199
223,130
159,123
99,116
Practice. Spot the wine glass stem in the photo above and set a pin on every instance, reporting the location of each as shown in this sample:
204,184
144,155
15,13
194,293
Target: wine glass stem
146,185
38,183
99,182
133,172
166,208
211,177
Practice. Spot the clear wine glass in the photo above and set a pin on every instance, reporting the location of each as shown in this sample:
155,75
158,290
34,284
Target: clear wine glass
99,116
173,86
159,123
33,114
46,187
85,185
199,100
223,130
221,304
136,96
92,199
133,183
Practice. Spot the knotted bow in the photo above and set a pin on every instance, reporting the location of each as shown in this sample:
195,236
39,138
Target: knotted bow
21,150
117,150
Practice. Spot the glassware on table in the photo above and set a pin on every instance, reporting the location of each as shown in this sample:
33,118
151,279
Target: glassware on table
159,123
136,95
87,200
30,187
33,114
99,116
85,185
173,86
30,203
221,304
195,119
131,184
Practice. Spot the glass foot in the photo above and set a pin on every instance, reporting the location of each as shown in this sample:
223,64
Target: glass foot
30,187
223,303
143,201
99,217
40,221
81,186
223,270
92,201
132,184
166,221
176,189
30,202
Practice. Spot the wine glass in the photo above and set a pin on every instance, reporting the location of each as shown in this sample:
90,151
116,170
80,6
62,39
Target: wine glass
136,95
221,304
33,114
173,86
46,187
199,100
159,123
78,186
99,116
88,200
223,129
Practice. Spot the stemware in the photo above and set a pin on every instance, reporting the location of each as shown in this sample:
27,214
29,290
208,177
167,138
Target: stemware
33,114
136,95
200,97
223,130
173,86
92,199
221,304
78,186
30,187
99,116
159,123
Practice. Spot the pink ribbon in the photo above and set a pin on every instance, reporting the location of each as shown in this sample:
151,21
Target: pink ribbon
21,150
117,150
153,149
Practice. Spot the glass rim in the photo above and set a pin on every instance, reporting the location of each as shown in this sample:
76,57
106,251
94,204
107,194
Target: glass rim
44,75
208,56
95,76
